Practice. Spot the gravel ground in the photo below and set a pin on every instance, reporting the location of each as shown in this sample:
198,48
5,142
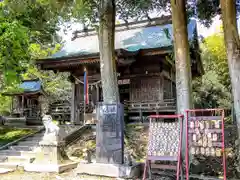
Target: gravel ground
21,175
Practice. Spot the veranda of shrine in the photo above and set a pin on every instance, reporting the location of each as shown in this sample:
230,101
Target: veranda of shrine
145,68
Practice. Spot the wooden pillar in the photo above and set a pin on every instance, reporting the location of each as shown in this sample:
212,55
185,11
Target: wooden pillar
97,89
78,118
161,88
12,106
22,106
73,104
81,100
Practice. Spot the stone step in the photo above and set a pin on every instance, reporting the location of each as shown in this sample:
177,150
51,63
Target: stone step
37,138
3,159
28,143
6,170
9,152
15,124
22,148
7,165
20,159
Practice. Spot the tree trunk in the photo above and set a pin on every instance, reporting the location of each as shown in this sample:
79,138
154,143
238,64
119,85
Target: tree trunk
182,57
232,43
107,52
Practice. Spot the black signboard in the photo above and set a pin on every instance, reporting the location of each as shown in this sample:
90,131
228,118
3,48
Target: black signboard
110,133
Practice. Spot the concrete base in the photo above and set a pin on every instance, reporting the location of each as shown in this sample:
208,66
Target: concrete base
50,167
110,170
4,171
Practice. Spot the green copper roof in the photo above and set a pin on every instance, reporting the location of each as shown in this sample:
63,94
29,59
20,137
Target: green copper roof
130,40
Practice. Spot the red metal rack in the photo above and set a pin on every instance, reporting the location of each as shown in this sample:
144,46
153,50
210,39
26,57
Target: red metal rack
205,135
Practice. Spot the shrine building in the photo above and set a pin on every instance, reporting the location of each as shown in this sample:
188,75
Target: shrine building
27,103
145,67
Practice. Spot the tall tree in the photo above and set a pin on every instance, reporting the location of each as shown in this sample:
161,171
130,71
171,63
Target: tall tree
101,14
232,42
106,35
22,24
182,55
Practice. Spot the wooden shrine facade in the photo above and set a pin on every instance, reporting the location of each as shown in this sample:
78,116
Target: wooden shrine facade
146,76
27,104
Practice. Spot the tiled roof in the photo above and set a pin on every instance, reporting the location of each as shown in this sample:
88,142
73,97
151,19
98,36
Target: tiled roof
31,86
158,36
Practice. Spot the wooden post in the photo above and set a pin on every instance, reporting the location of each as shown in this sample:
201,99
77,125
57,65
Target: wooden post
12,106
97,89
73,107
80,100
22,106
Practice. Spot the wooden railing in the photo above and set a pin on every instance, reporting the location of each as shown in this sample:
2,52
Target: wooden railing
166,105
60,109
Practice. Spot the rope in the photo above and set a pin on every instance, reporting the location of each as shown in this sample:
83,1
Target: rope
90,84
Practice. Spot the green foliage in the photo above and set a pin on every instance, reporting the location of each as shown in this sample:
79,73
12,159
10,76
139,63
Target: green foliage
209,92
215,57
21,26
213,88
14,43
56,85
5,104
38,17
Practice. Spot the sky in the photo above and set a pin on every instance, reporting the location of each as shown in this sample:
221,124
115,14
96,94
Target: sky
214,28
202,30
